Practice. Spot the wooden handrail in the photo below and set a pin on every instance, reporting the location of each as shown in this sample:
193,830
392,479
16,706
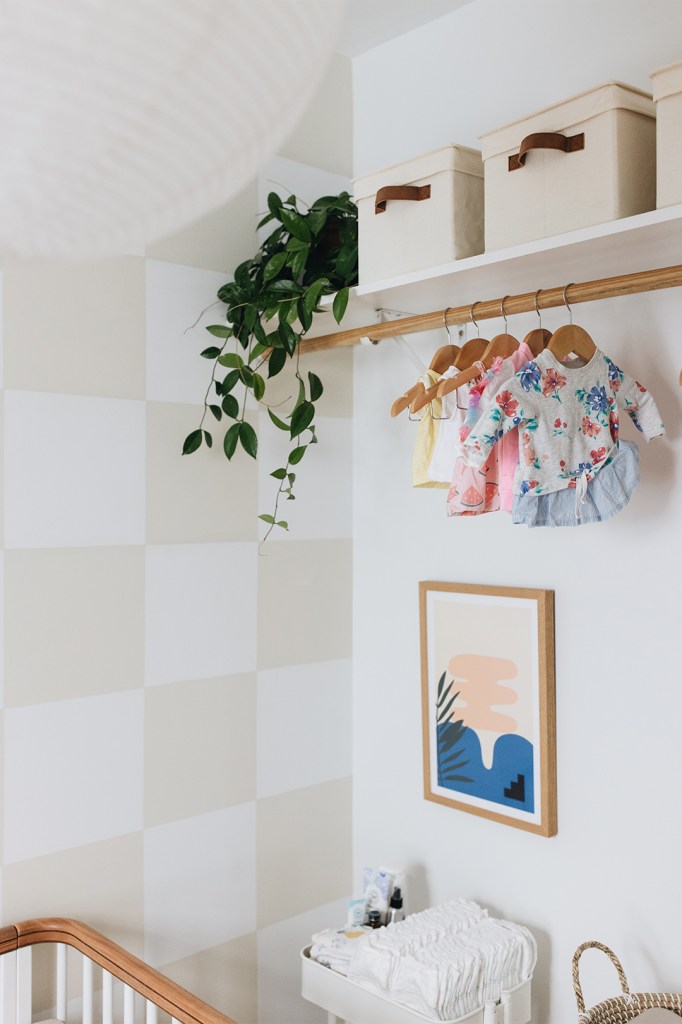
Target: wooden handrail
150,983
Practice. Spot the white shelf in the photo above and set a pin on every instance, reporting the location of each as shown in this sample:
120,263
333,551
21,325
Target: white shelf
648,241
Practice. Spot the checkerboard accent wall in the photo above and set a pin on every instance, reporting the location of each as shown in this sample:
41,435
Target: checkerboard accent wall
176,702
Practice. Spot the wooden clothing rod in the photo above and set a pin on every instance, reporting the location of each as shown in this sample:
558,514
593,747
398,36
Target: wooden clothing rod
548,298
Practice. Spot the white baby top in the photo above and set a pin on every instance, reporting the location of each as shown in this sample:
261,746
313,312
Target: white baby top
567,418
454,409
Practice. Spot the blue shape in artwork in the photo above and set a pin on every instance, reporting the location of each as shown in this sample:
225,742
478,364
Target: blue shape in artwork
509,781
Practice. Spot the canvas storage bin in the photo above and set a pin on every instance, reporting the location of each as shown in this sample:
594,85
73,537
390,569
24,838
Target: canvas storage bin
667,84
420,213
584,161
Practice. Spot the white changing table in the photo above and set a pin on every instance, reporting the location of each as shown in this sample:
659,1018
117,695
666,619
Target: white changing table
349,1003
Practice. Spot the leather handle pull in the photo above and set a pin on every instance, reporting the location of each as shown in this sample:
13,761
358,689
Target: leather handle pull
546,140
415,193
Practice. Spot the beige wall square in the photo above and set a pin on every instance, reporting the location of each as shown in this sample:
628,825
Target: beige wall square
200,747
76,328
304,602
199,497
335,370
220,241
74,622
224,976
101,884
303,849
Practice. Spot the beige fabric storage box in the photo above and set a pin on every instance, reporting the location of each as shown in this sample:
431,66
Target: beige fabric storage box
604,170
668,99
420,213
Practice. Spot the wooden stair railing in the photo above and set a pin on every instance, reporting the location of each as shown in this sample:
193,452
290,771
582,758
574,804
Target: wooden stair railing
182,1005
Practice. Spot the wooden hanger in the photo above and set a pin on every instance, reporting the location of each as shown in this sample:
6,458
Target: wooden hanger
443,358
571,339
537,339
502,345
471,352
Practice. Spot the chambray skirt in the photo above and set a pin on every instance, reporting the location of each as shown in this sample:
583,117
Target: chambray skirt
607,494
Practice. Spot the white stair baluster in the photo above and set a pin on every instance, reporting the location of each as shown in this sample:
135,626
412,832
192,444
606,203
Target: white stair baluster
87,990
8,986
24,985
128,1005
107,998
152,1013
60,1005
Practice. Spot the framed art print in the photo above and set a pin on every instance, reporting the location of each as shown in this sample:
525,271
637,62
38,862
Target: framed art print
488,709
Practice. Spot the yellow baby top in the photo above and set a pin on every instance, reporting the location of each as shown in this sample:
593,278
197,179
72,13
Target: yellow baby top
427,435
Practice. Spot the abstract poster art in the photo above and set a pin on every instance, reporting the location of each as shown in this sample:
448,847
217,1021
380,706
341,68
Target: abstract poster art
488,707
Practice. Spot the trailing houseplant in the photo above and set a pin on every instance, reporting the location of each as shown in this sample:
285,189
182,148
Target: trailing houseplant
269,307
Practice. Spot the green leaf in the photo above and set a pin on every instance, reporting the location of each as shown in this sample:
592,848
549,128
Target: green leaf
295,224
241,274
274,265
231,406
291,478
312,295
219,331
267,519
347,261
288,337
297,455
208,438
211,353
304,316
296,245
302,418
247,376
249,441
276,362
231,359
259,333
217,411
274,203
340,303
230,380
230,440
193,441
282,287
264,221
301,395
279,474
316,388
292,313
257,351
258,387
316,220
283,523
278,422
298,263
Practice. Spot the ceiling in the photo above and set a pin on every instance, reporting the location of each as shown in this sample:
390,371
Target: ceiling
368,23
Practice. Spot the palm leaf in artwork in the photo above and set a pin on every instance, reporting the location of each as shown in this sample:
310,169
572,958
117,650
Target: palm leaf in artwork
449,735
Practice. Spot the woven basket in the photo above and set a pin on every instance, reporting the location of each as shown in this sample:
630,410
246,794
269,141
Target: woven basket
620,1009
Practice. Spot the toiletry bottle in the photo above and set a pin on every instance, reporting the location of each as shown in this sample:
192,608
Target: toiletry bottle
374,919
395,907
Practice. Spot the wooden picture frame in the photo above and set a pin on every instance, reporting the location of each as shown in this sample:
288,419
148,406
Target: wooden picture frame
488,704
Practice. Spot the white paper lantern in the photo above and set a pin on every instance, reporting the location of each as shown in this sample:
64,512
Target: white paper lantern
122,120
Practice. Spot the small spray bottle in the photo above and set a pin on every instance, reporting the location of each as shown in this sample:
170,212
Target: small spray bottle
395,907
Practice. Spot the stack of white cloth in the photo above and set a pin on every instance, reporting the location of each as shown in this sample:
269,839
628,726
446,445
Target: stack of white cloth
334,947
446,961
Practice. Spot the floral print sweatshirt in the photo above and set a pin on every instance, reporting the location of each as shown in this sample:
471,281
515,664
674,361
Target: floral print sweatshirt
567,417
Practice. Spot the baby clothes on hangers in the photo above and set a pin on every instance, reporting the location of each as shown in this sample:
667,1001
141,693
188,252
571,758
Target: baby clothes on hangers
568,421
427,435
453,411
475,490
606,495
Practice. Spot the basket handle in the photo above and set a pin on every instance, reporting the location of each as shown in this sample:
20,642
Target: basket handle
576,980
414,192
546,140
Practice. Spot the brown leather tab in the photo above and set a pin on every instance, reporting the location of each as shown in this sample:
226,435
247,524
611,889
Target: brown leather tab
413,192
546,140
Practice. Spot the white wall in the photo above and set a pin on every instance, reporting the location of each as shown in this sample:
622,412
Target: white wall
612,872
